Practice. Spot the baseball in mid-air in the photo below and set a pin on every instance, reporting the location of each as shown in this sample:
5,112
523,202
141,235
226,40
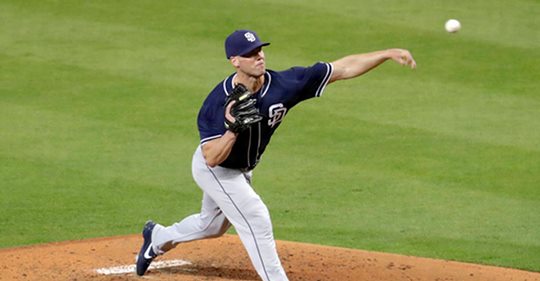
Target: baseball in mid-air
452,25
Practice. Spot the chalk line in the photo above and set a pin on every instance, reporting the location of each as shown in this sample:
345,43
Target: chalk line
124,269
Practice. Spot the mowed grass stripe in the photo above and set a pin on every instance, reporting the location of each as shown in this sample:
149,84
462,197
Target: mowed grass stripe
396,149
451,109
106,148
54,202
515,27
116,49
82,93
155,53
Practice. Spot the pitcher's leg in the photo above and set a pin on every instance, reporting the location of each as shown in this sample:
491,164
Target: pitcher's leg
250,217
209,223
255,230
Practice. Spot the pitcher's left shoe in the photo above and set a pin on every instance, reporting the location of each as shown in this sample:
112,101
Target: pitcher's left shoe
146,255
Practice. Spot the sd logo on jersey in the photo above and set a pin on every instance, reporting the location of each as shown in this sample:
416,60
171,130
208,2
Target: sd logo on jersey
276,112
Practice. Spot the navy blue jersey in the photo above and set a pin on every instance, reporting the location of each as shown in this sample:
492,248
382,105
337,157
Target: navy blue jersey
281,91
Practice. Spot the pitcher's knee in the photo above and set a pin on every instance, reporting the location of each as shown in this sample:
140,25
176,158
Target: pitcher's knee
217,227
218,230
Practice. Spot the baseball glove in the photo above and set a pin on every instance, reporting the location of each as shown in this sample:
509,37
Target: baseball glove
243,110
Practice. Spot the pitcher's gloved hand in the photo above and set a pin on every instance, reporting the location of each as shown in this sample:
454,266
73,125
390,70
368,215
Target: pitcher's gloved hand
240,110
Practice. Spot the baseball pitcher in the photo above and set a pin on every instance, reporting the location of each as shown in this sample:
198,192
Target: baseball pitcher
236,122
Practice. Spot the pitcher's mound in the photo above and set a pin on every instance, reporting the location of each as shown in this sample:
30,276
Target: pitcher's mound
225,259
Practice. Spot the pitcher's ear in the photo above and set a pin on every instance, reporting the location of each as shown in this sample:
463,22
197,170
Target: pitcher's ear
235,61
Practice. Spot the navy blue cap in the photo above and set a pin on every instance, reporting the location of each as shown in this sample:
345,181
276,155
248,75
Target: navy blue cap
242,42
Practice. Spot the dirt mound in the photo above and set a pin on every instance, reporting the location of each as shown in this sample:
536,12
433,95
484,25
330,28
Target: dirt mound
225,259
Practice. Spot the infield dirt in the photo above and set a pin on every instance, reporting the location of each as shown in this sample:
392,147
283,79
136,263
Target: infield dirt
225,259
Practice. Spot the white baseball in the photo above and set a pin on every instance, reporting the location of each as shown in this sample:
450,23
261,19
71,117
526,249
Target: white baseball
452,25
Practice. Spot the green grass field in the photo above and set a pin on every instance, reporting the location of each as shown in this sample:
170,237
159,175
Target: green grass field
98,103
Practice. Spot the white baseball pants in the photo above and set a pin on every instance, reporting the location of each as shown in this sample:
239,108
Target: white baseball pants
227,197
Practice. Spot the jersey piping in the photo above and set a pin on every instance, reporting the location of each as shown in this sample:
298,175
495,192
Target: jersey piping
205,140
329,71
249,148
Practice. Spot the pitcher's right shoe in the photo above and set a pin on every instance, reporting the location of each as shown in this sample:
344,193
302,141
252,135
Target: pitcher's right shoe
146,255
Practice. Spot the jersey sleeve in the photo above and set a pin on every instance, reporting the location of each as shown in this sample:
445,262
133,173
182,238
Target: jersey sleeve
211,118
311,81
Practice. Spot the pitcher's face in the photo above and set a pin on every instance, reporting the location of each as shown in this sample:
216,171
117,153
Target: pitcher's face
253,63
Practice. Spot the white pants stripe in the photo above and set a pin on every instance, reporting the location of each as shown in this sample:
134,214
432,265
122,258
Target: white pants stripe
227,198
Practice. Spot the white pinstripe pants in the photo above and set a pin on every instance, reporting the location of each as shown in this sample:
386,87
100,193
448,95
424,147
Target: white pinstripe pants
227,197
